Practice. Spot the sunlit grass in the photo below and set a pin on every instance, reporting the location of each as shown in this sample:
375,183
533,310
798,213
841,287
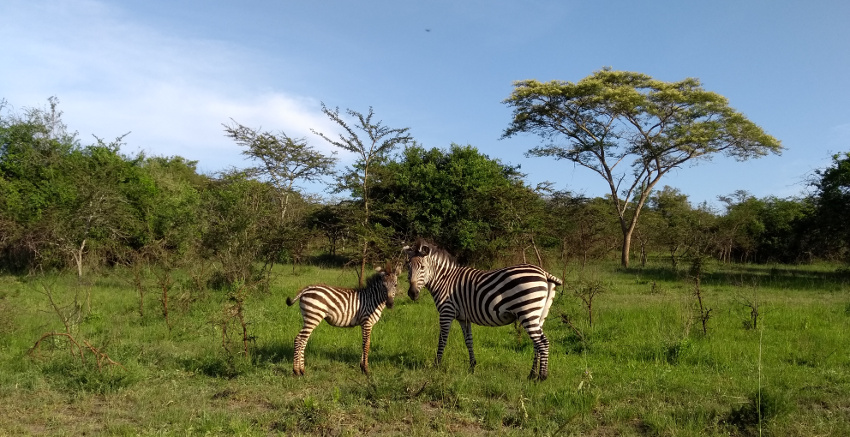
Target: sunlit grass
643,368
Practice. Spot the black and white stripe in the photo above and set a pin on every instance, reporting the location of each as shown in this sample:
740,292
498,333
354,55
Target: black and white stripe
521,293
344,307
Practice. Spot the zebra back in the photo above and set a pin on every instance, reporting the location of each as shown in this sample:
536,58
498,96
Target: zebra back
491,298
379,288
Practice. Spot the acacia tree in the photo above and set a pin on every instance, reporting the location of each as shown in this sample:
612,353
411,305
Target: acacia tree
632,130
378,142
283,159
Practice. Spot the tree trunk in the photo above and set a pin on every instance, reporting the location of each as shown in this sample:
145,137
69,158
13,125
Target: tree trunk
627,245
365,222
536,252
363,262
78,258
285,204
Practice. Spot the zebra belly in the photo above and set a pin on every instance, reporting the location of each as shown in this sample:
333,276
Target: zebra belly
485,318
342,320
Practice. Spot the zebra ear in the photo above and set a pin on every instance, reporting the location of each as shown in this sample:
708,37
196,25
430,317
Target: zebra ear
409,251
425,250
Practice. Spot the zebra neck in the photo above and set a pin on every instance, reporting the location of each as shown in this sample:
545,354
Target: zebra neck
441,279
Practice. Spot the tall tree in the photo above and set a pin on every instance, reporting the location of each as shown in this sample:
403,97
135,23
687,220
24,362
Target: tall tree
474,206
613,121
239,215
283,159
676,221
832,207
377,142
741,226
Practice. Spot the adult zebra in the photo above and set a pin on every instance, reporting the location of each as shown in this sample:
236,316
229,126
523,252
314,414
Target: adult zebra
520,293
344,307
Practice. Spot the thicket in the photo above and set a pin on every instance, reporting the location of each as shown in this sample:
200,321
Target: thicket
65,205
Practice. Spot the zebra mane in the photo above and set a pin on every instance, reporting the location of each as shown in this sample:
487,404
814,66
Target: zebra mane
372,280
436,251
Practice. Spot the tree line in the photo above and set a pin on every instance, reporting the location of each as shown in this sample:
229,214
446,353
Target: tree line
65,205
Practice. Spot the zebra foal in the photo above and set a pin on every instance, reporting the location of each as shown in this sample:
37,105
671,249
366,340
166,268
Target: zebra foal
521,293
344,307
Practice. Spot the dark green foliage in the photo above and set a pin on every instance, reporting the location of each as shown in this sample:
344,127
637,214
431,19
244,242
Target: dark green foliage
67,205
63,204
764,230
580,228
471,204
335,223
831,234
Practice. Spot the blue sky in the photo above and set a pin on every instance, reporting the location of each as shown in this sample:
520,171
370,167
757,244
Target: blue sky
172,72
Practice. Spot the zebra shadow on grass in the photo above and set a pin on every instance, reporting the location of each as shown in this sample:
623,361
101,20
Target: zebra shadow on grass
280,354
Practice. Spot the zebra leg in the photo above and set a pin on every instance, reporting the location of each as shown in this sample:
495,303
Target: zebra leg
466,326
543,357
301,344
445,324
366,329
534,374
539,365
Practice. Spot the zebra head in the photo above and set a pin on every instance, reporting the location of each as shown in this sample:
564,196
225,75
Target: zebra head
418,268
389,281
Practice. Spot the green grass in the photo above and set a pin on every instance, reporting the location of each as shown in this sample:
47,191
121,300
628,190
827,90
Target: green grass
643,368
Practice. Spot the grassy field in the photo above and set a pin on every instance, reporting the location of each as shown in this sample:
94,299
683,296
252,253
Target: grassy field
644,367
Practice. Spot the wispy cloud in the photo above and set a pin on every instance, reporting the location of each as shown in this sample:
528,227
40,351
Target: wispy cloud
113,75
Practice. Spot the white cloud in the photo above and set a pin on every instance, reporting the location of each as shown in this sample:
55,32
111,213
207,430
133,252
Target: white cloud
112,76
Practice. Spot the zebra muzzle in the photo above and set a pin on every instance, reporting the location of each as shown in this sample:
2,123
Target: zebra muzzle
413,293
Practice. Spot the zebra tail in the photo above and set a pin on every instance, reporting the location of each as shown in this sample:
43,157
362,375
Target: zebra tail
553,279
291,300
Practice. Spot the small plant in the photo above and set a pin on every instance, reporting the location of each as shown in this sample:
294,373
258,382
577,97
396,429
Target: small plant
234,311
567,321
696,272
674,352
165,281
137,263
587,291
70,315
77,350
753,303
